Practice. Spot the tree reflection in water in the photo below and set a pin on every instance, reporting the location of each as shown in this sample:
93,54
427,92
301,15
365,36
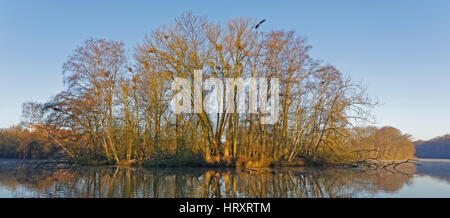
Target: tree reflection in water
30,180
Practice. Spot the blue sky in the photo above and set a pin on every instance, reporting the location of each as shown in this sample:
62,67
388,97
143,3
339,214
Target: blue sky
399,49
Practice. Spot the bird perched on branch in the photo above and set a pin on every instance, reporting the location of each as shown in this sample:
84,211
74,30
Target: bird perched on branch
259,24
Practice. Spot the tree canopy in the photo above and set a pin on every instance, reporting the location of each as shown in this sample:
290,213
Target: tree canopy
116,106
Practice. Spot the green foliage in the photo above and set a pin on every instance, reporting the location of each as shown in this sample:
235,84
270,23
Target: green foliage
175,161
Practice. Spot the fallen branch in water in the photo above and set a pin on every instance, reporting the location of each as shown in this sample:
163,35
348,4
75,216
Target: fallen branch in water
375,164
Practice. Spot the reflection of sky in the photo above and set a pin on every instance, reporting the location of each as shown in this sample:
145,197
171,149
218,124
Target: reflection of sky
430,181
421,186
20,190
5,192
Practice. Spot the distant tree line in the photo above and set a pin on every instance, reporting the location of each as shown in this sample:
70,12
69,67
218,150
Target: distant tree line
438,147
19,142
116,105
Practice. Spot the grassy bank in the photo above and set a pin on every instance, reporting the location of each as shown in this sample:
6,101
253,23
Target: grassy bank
228,162
175,161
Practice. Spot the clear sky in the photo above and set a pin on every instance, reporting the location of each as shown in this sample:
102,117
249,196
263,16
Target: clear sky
400,49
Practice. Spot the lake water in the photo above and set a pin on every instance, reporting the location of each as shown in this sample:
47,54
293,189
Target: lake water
429,178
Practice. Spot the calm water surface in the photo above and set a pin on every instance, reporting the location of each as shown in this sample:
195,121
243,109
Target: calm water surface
430,178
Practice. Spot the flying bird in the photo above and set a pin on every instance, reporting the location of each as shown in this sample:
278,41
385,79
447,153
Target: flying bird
259,24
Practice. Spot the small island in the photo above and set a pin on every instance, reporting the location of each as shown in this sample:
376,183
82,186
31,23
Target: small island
273,101
117,107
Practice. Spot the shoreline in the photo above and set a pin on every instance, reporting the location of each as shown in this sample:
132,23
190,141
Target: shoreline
238,164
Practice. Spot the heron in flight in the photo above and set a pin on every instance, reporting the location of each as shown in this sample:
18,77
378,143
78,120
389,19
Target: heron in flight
259,24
